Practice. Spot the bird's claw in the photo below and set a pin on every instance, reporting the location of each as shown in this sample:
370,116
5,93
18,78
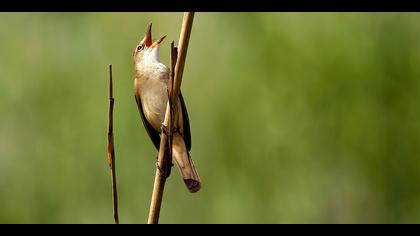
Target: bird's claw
165,130
175,130
162,172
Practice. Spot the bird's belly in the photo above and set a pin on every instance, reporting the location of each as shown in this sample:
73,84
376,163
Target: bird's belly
154,101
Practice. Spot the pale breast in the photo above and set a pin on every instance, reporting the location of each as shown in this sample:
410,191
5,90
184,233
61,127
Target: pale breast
154,99
153,93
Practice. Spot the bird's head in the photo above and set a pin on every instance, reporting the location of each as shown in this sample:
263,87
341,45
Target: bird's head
146,51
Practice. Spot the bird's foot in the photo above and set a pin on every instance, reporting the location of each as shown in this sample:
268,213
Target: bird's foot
164,173
175,130
165,130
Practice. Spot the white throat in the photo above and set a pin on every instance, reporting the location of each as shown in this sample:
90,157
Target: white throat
151,55
150,63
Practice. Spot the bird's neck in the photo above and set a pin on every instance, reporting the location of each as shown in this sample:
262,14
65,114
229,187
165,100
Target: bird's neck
151,67
151,56
150,61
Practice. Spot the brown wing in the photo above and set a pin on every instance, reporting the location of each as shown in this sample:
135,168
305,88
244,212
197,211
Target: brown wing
153,134
186,123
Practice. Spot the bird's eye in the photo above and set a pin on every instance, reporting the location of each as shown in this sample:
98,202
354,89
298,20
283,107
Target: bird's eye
140,47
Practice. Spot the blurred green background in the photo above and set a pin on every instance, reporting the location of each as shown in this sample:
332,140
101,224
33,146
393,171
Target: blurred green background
296,118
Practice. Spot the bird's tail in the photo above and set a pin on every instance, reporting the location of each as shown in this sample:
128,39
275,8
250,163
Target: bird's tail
185,164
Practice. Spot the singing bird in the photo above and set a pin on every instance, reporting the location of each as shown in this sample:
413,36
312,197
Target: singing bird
150,91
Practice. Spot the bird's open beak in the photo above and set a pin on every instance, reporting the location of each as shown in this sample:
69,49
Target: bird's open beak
148,36
157,43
